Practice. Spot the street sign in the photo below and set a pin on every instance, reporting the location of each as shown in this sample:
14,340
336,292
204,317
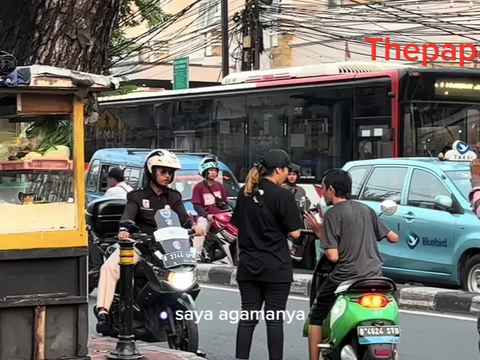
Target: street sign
180,74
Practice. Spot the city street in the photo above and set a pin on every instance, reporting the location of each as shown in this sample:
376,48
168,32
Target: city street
424,337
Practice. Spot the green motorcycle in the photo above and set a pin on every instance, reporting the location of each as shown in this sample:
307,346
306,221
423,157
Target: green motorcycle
364,321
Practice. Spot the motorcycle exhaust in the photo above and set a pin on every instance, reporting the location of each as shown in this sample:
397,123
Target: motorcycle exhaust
348,353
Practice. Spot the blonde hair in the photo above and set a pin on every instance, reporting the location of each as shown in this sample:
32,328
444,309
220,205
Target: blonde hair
252,180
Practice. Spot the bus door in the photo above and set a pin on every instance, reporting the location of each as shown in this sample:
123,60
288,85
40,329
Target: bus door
372,140
373,119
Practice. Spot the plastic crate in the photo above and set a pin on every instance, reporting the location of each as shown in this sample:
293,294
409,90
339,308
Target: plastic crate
38,164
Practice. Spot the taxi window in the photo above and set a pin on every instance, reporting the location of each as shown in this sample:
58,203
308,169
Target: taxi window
424,187
385,183
358,174
461,180
92,180
185,180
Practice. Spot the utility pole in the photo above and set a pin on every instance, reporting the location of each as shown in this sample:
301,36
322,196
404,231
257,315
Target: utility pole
257,36
247,56
225,49
252,36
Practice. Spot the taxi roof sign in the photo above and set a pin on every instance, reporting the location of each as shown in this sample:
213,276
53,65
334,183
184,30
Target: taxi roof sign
461,151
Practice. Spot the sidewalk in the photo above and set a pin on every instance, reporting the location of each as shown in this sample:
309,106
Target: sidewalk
100,347
408,296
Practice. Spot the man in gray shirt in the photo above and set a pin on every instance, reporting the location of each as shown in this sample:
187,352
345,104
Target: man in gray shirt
351,231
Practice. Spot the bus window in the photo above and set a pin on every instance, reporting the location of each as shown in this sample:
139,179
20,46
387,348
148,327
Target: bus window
319,129
430,127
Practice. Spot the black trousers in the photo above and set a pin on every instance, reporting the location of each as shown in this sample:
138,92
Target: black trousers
253,296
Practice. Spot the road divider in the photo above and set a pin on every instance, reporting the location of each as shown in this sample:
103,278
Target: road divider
408,297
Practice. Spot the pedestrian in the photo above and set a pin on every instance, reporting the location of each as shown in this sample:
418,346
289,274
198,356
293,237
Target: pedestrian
265,215
475,202
117,187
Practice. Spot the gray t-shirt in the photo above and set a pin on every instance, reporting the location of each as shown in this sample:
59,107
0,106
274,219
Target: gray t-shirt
354,229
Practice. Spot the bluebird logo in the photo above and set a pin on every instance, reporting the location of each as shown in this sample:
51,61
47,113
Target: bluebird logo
412,240
462,148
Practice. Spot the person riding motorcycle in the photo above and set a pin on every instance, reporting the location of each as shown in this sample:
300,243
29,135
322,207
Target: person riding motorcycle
291,184
349,236
209,197
303,203
141,207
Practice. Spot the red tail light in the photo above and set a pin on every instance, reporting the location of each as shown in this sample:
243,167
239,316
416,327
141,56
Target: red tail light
373,301
319,190
382,352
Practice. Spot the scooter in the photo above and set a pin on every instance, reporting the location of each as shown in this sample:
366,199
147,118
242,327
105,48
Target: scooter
364,321
220,242
165,283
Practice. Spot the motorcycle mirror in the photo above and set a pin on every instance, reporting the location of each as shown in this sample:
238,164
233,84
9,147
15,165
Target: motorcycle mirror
388,207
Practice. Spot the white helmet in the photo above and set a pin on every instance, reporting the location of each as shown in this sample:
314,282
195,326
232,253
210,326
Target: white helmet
161,158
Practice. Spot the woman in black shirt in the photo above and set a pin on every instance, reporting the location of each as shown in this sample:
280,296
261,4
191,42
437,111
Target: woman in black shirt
265,215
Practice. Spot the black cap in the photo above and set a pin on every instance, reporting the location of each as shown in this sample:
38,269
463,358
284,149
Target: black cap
116,173
277,158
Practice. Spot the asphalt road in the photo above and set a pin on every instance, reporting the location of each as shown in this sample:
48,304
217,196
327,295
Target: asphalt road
424,336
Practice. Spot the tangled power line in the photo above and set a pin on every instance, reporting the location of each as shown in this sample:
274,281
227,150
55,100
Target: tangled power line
317,27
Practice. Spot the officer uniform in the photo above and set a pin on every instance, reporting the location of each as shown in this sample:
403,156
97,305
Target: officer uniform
142,205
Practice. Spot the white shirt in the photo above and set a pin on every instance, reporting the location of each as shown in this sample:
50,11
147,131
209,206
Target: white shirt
119,191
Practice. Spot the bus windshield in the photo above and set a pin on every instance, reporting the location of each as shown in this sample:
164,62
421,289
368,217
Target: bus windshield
432,127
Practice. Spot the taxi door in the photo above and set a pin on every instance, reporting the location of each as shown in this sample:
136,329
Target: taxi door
386,183
427,232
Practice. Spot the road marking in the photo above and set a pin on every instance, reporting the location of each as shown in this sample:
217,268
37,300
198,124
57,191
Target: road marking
410,312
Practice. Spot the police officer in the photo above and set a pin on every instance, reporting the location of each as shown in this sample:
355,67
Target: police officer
142,205
291,183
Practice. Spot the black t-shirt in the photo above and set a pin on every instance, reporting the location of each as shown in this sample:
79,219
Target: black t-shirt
264,253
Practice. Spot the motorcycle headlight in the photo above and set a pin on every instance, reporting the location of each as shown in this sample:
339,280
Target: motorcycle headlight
181,280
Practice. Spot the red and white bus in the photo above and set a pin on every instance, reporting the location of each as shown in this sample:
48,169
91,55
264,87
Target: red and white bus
323,115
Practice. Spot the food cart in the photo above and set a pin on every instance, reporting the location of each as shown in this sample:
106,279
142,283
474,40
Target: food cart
43,240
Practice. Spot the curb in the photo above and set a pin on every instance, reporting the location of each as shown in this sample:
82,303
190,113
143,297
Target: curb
145,347
408,297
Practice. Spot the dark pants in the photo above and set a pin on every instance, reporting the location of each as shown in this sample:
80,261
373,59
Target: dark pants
323,303
253,295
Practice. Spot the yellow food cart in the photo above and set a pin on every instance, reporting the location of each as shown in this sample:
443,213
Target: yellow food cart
43,240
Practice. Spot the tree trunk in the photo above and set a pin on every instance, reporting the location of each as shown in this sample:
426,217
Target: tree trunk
72,34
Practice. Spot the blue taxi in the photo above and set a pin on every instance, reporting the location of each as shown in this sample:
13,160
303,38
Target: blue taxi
132,161
438,230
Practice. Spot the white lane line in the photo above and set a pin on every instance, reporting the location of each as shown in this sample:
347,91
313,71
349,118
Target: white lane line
411,312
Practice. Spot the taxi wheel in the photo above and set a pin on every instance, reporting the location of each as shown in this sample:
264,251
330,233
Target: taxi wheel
471,275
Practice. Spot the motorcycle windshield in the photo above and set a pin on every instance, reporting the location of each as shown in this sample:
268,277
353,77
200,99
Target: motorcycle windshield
173,241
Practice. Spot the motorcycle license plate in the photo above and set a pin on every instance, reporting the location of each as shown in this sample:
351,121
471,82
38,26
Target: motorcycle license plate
389,334
179,258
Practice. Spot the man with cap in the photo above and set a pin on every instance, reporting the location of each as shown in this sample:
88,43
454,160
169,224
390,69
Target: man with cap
117,187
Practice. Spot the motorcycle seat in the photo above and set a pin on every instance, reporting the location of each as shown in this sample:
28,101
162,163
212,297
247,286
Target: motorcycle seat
362,285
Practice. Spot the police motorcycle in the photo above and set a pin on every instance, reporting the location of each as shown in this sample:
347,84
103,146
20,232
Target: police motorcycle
165,282
364,321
